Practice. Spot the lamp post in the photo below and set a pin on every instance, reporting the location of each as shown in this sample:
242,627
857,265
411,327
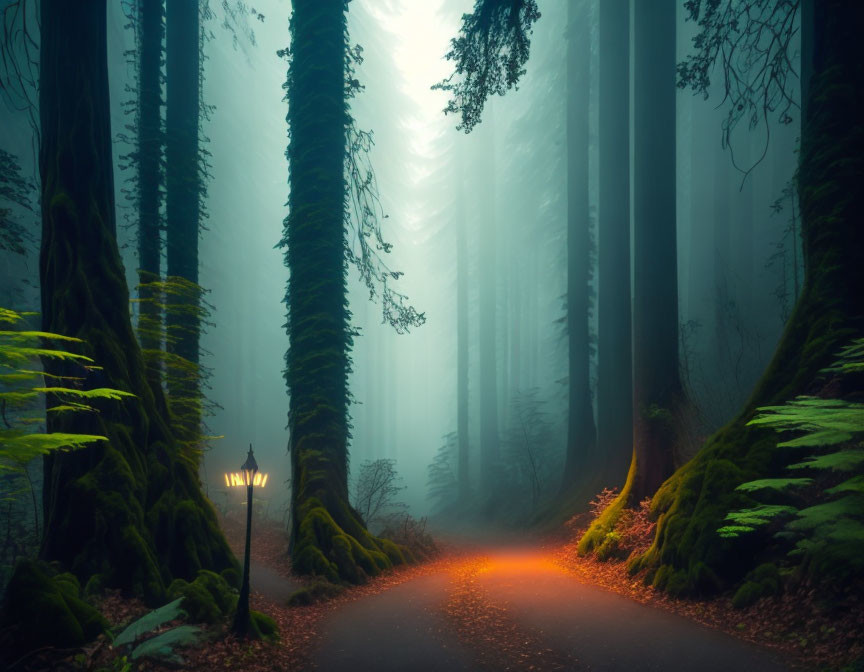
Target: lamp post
241,618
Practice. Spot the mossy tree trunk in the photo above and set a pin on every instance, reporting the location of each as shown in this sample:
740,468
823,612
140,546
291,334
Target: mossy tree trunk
581,432
328,538
687,554
183,191
149,161
129,510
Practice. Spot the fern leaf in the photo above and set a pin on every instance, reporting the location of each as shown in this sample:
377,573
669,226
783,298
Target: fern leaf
843,460
774,484
150,621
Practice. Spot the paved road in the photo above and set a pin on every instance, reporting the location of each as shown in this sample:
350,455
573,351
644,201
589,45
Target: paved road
405,628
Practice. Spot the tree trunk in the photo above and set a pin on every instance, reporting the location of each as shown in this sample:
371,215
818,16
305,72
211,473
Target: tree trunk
614,358
487,317
149,154
184,185
328,538
129,510
656,384
462,338
688,554
581,433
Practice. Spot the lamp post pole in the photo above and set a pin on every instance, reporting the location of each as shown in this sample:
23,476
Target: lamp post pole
241,618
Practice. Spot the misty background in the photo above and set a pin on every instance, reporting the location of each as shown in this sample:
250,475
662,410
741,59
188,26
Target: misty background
739,263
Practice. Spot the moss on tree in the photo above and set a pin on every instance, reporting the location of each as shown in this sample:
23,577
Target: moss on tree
129,511
328,538
688,555
43,608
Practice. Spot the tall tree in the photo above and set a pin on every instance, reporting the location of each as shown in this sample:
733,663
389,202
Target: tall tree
462,406
581,432
688,554
328,537
656,383
149,32
128,511
614,359
183,193
487,319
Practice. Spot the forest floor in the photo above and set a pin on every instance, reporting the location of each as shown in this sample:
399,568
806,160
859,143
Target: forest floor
489,606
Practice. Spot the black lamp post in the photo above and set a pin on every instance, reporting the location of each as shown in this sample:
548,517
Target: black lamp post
241,619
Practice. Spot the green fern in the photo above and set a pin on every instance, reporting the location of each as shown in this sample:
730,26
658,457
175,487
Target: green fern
149,621
774,484
842,460
22,389
828,536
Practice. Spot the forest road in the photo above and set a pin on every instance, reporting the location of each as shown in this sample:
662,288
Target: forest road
517,610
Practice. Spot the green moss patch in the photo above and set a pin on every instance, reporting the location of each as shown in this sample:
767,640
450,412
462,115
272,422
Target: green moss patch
261,626
207,599
45,609
319,591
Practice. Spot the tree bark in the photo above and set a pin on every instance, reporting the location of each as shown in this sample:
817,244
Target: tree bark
487,318
688,555
129,510
581,432
614,357
656,383
183,193
328,538
149,155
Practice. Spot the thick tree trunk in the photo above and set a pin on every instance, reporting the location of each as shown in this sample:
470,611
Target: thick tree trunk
688,554
183,187
581,433
328,538
656,383
149,151
129,510
614,358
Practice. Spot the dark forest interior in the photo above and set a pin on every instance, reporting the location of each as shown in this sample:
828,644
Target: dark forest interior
446,335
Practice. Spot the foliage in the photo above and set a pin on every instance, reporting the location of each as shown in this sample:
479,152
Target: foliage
688,556
442,482
15,192
326,184
43,608
490,54
761,582
163,645
375,491
318,591
531,468
166,307
754,44
827,534
207,599
364,217
150,621
409,532
618,530
21,394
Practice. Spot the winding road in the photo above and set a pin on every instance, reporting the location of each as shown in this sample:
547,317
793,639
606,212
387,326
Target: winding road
517,610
